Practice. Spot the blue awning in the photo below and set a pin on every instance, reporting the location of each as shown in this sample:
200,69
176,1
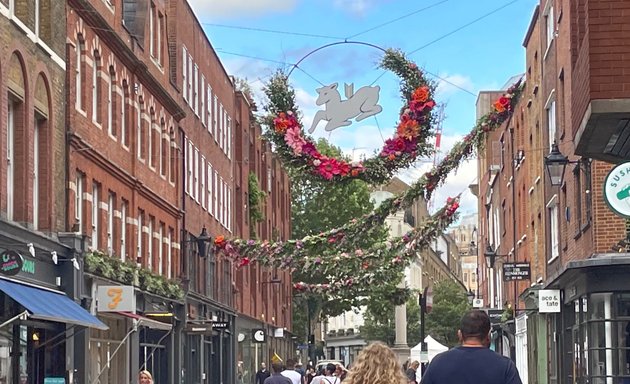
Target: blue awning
48,305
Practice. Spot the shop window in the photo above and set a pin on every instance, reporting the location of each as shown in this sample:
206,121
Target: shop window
107,353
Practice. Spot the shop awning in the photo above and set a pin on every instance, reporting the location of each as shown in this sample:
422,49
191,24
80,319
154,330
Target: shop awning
43,304
146,322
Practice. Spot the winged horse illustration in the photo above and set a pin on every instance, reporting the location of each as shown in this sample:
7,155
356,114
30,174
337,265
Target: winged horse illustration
338,113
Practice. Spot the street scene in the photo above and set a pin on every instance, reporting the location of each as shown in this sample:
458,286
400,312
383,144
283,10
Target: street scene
300,192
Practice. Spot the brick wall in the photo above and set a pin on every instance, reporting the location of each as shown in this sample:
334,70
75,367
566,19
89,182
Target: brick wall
41,78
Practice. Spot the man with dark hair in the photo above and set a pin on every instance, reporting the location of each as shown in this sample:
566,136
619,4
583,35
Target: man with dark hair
262,374
472,362
276,377
291,373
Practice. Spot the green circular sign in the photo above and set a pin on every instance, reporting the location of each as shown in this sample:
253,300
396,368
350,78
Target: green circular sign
617,190
11,263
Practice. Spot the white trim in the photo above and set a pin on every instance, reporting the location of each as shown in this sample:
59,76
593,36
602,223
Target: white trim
550,98
552,202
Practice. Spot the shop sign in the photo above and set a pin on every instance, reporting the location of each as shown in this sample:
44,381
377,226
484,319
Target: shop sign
205,329
259,335
549,301
116,298
54,380
217,325
11,263
515,271
278,332
495,315
617,190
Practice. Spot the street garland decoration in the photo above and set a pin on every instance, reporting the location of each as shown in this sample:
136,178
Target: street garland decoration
282,254
299,153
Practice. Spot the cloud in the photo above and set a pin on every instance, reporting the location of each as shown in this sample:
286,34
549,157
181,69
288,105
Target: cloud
213,9
450,84
355,7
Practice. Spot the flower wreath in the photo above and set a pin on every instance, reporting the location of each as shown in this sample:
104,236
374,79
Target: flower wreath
408,143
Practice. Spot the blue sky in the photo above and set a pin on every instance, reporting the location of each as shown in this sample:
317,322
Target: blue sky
435,33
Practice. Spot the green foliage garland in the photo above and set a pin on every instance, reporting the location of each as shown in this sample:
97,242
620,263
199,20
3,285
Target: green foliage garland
256,196
112,268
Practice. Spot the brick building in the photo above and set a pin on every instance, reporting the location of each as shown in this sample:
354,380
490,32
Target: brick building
39,283
576,98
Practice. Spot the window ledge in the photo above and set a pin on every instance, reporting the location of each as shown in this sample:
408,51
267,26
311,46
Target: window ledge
577,235
548,48
586,226
556,257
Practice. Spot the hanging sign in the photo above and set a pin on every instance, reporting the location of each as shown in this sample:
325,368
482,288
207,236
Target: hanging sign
549,301
11,263
617,190
116,298
259,335
515,271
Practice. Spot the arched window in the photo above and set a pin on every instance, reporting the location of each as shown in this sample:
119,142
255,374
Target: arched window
41,156
124,114
16,170
153,149
96,88
164,140
111,102
80,73
141,129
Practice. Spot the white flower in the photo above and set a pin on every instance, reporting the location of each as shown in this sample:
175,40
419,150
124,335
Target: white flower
316,162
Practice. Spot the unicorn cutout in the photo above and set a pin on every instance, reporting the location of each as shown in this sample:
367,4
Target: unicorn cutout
338,113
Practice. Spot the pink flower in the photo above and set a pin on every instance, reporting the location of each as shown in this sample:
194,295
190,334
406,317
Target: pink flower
330,167
294,140
309,149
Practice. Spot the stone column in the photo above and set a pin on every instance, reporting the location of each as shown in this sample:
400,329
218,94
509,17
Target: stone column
400,319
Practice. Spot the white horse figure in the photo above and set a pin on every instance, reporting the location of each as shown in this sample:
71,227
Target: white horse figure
337,112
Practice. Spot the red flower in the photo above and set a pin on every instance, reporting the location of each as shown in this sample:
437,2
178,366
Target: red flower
418,107
284,121
365,265
421,94
309,149
394,146
408,128
219,241
502,104
329,167
244,262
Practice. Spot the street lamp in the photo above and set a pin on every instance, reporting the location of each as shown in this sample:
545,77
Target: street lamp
202,241
471,296
556,163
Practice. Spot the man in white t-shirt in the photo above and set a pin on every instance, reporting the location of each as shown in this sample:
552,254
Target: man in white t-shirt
328,377
291,373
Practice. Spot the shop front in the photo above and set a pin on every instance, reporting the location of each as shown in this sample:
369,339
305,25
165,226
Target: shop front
593,326
140,336
39,317
208,342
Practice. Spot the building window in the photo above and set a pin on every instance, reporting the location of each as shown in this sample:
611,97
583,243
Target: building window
12,110
78,203
160,27
169,254
110,223
173,151
202,168
209,183
139,232
190,80
150,243
185,73
554,227
80,73
577,180
111,102
202,100
551,122
152,30
96,89
229,207
195,96
151,139
95,213
124,113
123,230
140,129
195,191
229,138
588,192
160,260
221,121
189,169
549,22
209,108
163,148
39,121
216,194
215,116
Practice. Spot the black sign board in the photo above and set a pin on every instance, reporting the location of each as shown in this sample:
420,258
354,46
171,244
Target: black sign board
11,263
259,335
220,325
495,315
515,271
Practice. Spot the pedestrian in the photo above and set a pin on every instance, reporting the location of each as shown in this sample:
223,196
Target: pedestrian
327,376
291,373
144,377
376,364
276,377
412,372
262,374
473,361
341,372
310,374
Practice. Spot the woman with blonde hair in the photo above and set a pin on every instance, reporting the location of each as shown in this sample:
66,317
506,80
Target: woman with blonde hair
376,364
144,377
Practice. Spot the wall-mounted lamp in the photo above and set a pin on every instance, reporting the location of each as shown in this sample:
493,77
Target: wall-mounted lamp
55,260
491,256
556,163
